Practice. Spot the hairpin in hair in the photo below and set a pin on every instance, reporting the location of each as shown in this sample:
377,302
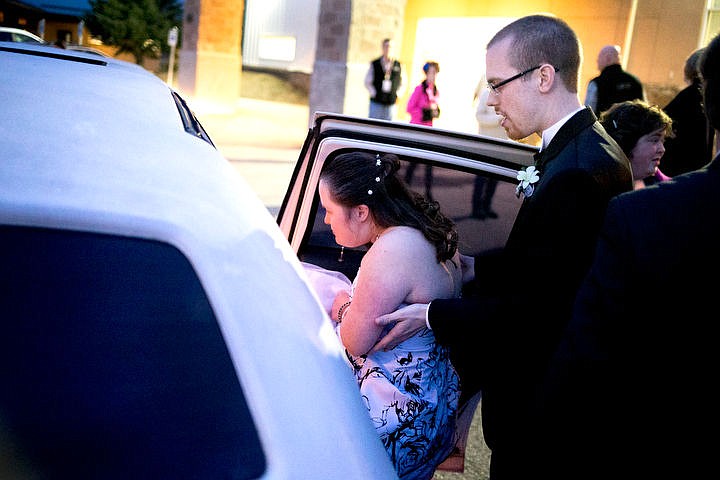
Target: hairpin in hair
378,162
614,123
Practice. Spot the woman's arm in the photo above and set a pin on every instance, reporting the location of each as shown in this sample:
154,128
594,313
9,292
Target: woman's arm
387,276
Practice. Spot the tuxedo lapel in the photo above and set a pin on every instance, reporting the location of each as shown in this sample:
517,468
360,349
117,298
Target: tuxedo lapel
570,130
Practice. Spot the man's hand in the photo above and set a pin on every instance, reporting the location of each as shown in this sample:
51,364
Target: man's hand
408,321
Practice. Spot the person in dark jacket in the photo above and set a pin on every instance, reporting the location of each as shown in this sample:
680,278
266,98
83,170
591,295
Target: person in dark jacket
691,146
614,84
630,393
383,80
502,337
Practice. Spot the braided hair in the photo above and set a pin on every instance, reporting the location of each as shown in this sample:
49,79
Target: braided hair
361,178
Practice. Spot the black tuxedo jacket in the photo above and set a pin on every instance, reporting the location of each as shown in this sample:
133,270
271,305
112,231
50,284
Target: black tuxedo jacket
501,339
630,393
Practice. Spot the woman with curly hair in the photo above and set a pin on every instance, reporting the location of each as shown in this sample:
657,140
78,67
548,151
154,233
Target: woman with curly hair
411,392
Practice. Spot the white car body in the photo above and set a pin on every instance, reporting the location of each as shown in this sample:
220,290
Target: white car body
9,34
96,148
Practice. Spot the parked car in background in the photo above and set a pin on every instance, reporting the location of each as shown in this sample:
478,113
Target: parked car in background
155,321
8,34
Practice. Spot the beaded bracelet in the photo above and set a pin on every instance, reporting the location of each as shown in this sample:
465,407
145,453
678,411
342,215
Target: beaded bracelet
342,310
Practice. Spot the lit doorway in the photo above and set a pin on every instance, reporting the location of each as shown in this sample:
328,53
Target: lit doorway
458,45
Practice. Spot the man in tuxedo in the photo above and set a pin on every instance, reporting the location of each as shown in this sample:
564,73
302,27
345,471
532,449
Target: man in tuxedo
502,337
631,391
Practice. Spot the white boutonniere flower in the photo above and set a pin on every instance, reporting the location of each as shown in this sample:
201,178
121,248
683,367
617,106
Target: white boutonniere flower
527,178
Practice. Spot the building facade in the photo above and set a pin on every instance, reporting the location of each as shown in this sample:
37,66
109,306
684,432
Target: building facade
334,41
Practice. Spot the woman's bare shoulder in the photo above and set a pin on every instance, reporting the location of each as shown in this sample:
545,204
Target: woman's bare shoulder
403,237
403,247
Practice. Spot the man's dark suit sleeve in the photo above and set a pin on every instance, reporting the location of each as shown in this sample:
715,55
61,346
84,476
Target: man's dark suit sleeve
539,275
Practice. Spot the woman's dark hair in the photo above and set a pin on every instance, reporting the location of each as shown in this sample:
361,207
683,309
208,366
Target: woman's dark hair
361,178
627,121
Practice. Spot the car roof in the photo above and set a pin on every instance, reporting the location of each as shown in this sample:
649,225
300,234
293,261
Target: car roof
100,145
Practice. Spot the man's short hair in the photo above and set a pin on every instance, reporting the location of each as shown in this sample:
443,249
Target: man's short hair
540,39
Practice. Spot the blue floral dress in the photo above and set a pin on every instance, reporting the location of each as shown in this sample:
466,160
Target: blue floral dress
411,393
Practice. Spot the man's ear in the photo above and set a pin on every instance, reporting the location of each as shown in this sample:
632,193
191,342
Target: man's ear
547,77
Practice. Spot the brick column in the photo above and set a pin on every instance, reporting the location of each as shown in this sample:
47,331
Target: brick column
349,38
210,60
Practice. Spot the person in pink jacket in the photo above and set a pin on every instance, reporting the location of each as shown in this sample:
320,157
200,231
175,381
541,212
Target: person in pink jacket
423,103
423,108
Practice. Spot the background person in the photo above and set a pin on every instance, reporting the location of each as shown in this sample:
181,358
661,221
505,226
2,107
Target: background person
423,109
502,337
411,393
383,80
640,129
488,124
423,102
614,84
691,146
630,392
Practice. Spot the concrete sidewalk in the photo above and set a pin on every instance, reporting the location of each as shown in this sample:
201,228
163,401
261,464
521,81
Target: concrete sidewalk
255,123
262,140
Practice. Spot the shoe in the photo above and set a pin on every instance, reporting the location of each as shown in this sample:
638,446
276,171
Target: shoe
491,213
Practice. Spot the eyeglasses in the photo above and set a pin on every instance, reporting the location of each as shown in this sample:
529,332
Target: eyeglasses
495,86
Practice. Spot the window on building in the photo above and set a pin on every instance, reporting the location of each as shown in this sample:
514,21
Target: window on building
712,25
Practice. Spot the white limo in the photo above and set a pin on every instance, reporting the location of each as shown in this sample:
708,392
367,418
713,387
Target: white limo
155,321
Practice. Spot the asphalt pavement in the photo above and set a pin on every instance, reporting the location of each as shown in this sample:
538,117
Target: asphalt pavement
261,139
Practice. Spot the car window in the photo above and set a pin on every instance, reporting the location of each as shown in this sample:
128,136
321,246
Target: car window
112,362
453,187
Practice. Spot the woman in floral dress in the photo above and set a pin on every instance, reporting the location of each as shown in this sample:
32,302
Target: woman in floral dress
411,392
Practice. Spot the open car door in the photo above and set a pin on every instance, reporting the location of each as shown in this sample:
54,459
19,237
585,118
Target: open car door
444,164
